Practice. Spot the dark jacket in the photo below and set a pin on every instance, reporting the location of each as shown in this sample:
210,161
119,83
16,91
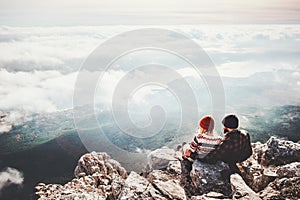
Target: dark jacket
234,148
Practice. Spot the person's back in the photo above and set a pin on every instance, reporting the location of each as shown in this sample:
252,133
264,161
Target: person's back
205,141
235,146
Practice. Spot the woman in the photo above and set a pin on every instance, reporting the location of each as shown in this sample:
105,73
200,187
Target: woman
205,141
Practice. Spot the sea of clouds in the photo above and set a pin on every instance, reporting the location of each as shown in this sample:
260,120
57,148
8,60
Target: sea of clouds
39,65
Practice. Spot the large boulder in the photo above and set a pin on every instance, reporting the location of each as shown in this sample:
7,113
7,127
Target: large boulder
256,176
167,183
284,188
279,152
266,163
160,158
97,177
241,190
289,170
211,177
138,187
99,162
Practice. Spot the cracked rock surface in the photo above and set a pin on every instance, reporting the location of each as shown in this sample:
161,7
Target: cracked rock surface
272,172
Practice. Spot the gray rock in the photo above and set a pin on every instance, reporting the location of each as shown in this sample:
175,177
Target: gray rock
116,186
54,191
162,175
284,188
211,177
137,187
273,170
98,162
174,167
170,189
289,171
168,184
160,158
241,190
256,175
279,152
98,177
210,196
260,169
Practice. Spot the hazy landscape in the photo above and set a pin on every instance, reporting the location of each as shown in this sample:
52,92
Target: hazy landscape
47,146
43,131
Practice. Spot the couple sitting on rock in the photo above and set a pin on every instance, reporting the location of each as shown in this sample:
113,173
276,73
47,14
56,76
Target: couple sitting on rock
208,147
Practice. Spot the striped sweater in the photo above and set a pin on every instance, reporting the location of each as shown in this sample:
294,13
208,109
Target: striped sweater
203,144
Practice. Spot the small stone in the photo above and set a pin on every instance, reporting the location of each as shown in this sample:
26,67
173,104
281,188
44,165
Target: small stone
82,174
174,167
203,181
40,193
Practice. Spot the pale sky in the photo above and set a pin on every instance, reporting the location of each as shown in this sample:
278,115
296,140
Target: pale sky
146,12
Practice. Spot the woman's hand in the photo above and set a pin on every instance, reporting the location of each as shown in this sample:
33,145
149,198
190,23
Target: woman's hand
187,153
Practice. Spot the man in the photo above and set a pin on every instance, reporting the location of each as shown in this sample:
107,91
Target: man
234,148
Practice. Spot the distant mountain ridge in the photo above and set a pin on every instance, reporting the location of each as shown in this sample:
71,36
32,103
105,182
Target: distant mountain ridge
262,123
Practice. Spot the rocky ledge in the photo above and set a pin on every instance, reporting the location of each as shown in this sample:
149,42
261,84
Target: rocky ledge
272,172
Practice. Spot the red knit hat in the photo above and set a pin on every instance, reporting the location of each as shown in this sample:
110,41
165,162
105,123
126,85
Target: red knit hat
207,122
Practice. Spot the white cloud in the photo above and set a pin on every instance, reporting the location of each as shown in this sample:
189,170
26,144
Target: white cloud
52,48
248,68
65,48
38,91
5,127
185,72
39,64
296,74
10,176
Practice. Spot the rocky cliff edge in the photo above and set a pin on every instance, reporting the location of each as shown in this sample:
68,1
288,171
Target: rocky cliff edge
272,172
